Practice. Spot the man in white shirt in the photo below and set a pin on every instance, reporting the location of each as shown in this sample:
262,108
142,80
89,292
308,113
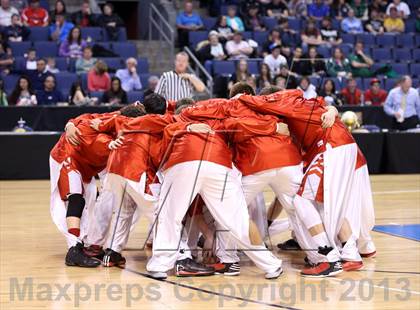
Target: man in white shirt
238,48
6,12
402,8
275,60
130,80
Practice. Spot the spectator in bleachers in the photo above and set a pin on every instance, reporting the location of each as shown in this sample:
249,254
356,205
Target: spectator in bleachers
241,74
330,94
393,23
233,21
3,95
238,48
130,80
375,24
78,96
311,35
403,104
280,82
225,32
318,9
6,59
287,34
213,50
418,20
116,94
152,83
313,65
264,78
360,9
286,51
59,9
330,36
297,61
351,24
23,94
178,84
16,32
253,20
86,62
49,95
187,21
98,77
289,76
274,60
110,21
278,9
74,44
375,95
20,5
30,61
351,94
339,9
84,17
297,8
6,13
403,10
51,66
38,76
60,29
273,39
338,65
379,6
309,90
34,15
360,62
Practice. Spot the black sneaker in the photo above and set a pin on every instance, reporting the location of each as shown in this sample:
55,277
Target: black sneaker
94,251
227,269
112,258
190,268
76,257
289,245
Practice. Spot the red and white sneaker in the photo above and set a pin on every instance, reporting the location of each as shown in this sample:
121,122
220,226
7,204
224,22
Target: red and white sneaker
351,266
367,255
324,269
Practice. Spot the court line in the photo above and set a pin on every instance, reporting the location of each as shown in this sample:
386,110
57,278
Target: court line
210,292
391,271
396,192
396,236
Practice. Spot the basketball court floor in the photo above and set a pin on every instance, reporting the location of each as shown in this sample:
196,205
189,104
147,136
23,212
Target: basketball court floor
33,274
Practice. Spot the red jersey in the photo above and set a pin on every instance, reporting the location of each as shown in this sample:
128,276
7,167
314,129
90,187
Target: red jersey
91,155
352,98
377,99
141,151
303,117
251,153
35,17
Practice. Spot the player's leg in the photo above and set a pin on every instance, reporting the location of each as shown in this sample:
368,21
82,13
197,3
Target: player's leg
70,186
222,192
180,186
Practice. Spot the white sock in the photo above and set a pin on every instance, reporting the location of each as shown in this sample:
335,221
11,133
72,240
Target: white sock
321,239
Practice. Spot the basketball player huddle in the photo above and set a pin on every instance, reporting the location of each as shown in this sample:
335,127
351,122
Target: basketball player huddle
196,171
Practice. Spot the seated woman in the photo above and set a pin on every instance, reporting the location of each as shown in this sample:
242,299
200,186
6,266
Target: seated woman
329,93
264,79
115,95
311,35
98,77
23,94
225,31
78,95
241,75
313,65
73,46
253,20
338,65
233,21
213,50
86,62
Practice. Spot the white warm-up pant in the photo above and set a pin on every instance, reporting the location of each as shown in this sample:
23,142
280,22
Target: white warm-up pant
122,198
220,188
366,220
338,169
58,208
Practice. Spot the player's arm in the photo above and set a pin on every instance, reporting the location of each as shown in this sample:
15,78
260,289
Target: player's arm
210,109
72,132
328,118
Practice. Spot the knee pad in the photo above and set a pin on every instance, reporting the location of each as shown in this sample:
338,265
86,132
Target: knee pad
76,204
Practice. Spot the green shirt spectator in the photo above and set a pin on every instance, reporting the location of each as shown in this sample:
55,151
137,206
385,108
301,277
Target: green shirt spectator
338,65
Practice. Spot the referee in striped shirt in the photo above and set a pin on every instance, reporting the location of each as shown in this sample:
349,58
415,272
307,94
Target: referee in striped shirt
178,84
